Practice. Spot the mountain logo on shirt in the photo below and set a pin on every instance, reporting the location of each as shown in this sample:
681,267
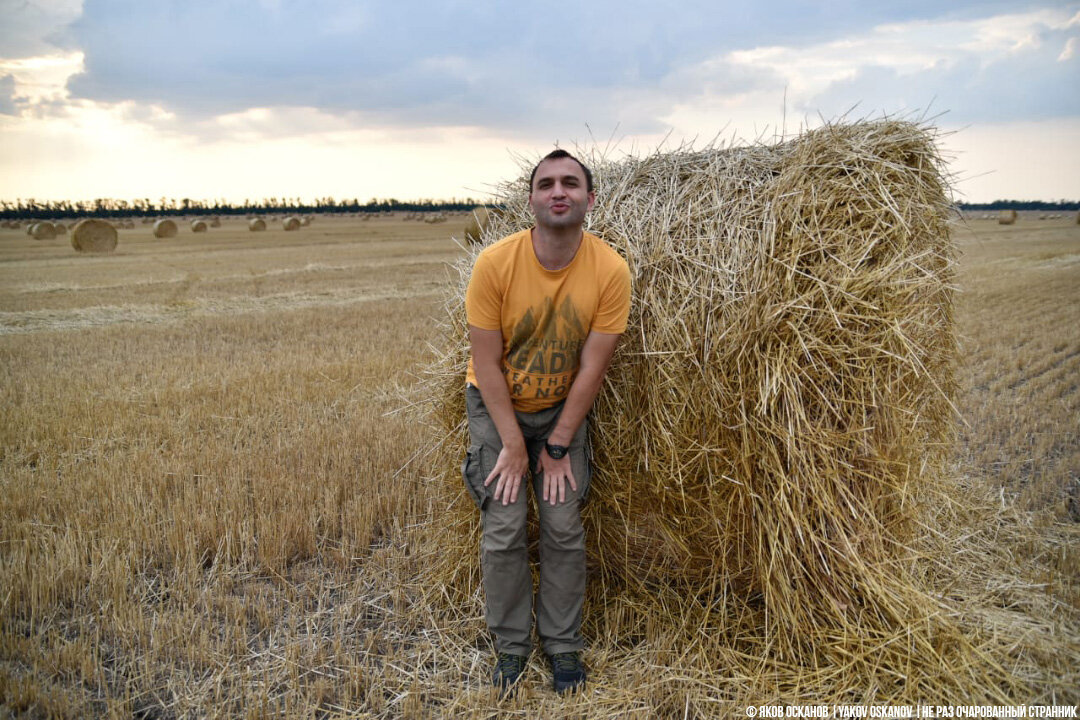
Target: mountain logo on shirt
546,340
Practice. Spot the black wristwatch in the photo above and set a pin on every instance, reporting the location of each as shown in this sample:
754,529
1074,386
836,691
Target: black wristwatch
557,452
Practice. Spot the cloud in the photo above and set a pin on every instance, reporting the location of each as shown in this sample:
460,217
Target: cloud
29,28
7,95
987,69
516,68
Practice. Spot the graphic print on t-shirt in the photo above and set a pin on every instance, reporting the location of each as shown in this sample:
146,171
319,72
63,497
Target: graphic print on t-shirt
545,350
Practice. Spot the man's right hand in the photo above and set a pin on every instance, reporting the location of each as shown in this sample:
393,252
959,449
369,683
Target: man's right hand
510,468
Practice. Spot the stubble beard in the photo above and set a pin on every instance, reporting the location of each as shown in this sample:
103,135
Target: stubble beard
575,217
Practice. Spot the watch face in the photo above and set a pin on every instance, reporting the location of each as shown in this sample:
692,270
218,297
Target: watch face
557,452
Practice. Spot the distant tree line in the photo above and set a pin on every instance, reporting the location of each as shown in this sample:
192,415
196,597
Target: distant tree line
1023,205
109,207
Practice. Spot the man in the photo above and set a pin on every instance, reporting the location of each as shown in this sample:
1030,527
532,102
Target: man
545,307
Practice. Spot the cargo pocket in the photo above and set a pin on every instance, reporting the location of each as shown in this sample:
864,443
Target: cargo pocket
472,470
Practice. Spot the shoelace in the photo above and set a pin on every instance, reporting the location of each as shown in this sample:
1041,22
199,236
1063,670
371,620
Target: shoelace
510,663
566,662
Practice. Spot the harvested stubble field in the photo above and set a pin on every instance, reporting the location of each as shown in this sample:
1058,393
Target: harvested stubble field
207,506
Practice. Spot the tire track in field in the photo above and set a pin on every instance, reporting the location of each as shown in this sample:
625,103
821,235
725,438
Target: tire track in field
33,321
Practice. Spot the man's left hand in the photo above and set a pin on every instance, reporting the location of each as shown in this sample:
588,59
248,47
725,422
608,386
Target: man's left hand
556,475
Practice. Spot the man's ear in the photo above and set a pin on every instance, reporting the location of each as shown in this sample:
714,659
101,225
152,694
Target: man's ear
592,200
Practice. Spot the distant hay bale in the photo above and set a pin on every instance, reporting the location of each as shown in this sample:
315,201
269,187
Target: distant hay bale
291,223
94,235
779,408
199,226
215,222
43,230
479,219
306,220
165,228
256,225
1006,217
61,228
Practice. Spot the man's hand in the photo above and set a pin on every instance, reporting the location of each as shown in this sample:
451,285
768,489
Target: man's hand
556,474
510,468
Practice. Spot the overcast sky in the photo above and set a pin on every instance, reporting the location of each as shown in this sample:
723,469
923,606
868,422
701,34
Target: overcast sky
416,98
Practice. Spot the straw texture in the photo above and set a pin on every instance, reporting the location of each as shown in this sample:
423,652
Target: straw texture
93,235
479,219
777,414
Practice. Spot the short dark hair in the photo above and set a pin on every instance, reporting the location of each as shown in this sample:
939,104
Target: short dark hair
557,154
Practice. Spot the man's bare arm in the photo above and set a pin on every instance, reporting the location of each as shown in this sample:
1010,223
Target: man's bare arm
596,356
513,461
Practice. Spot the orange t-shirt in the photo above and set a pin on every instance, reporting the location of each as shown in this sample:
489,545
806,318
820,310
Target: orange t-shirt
545,315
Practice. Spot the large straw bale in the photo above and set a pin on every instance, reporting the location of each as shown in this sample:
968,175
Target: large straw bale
291,223
165,228
1006,217
199,226
215,221
256,225
43,230
778,411
94,235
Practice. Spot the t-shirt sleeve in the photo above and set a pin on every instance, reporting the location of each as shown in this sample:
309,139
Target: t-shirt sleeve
614,307
483,299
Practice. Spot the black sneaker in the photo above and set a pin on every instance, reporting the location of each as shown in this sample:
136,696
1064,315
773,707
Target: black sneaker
508,670
567,671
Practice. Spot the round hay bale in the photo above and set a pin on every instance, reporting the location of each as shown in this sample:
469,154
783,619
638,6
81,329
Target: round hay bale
43,231
1006,217
478,222
306,220
94,235
199,226
215,222
61,228
291,223
165,228
256,225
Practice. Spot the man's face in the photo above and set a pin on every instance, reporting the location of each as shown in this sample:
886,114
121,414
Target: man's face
559,198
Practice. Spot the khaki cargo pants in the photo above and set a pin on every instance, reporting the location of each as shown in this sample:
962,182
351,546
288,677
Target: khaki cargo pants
504,553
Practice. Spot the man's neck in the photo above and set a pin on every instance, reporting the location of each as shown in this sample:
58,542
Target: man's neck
555,247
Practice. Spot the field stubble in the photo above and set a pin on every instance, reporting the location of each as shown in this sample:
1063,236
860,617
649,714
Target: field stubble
207,506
